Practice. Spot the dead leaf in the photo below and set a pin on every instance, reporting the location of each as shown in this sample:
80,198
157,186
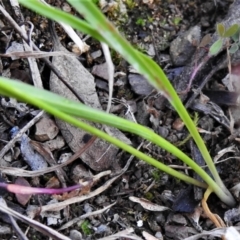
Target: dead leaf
22,198
148,205
53,182
86,187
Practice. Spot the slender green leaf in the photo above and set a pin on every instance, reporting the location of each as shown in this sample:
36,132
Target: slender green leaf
18,90
80,110
155,75
145,66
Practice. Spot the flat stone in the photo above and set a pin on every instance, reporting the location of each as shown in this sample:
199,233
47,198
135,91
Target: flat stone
101,71
96,54
46,129
75,235
55,144
183,47
140,84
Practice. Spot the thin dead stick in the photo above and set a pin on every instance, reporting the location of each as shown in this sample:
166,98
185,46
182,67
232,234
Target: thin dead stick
48,156
17,229
36,77
128,162
72,34
35,224
20,133
205,166
127,233
205,80
110,67
230,86
91,194
84,216
15,226
37,54
61,205
150,186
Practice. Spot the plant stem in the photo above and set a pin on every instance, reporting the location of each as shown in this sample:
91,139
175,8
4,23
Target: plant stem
20,189
207,211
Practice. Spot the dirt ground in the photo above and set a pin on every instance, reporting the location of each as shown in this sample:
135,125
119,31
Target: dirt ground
134,200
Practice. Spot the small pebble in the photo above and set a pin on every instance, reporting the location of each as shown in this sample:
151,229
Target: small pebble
75,235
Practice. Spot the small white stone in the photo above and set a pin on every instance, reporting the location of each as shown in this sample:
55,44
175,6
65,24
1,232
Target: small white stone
140,223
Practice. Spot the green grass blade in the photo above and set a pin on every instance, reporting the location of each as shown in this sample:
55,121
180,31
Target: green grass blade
144,65
140,62
80,110
148,68
20,93
50,101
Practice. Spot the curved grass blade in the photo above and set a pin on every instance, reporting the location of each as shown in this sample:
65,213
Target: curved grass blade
149,69
145,66
9,88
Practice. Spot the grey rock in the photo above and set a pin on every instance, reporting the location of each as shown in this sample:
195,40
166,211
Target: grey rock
179,232
101,71
183,47
102,229
96,54
4,229
75,235
32,158
163,131
139,84
231,216
159,235
101,84
178,219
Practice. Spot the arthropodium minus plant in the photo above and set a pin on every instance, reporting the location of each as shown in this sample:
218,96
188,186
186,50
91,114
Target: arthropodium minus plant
99,27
